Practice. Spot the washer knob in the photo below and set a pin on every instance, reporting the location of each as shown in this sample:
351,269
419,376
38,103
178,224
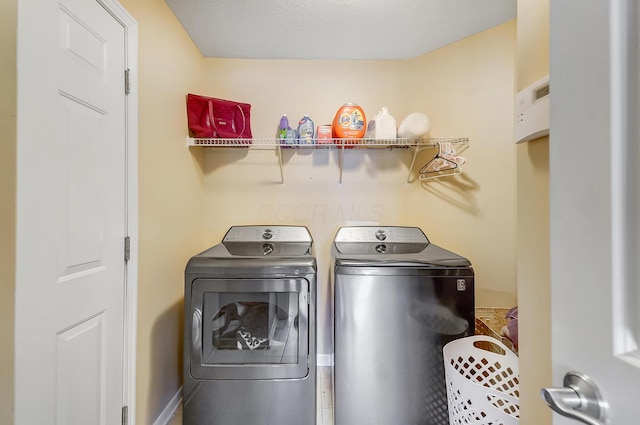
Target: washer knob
267,249
267,234
381,249
381,235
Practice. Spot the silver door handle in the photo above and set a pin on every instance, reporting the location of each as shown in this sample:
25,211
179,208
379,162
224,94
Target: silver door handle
579,399
196,329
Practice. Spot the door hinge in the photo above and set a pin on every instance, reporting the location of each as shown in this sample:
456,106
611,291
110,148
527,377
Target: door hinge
125,415
127,81
127,248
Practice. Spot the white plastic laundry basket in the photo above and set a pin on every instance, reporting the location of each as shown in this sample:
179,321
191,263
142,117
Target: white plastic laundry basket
482,378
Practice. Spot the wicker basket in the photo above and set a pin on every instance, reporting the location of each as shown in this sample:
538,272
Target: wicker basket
482,379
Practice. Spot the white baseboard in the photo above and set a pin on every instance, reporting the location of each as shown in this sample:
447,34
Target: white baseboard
324,360
170,410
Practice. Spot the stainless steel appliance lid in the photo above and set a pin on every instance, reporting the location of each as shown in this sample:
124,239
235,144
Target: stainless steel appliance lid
258,249
390,246
268,241
389,234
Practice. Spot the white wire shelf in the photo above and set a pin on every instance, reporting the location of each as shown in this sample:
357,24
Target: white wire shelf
423,143
342,145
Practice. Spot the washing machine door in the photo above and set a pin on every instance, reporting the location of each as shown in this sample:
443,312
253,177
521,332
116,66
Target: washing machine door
249,328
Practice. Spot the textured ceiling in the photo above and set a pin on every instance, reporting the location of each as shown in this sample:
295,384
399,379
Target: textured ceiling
333,29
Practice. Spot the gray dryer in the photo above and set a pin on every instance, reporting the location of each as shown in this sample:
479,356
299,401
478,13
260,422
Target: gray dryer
250,329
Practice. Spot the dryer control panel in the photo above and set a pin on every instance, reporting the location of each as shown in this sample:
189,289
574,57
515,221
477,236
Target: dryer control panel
268,234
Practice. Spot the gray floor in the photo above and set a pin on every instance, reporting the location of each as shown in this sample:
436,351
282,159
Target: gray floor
325,400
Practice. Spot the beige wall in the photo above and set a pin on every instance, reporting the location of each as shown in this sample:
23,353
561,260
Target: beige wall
170,200
8,83
467,88
533,224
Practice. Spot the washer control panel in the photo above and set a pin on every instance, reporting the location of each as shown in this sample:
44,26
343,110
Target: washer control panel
268,233
387,234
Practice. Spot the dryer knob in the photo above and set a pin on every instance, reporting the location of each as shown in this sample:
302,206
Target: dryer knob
267,249
381,235
381,249
267,234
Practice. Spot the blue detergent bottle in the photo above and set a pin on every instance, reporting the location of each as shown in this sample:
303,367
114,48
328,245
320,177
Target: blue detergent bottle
306,130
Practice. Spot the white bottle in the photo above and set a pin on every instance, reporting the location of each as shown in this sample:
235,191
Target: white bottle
382,126
415,125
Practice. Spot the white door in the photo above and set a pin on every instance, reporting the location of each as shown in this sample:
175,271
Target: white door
595,208
72,214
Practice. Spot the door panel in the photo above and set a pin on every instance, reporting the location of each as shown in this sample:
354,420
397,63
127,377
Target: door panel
625,178
80,391
81,129
82,44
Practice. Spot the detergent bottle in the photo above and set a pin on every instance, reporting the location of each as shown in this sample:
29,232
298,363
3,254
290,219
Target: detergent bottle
382,126
306,131
283,127
349,123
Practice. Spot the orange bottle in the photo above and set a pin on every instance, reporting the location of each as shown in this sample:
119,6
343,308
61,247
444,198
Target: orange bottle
349,123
